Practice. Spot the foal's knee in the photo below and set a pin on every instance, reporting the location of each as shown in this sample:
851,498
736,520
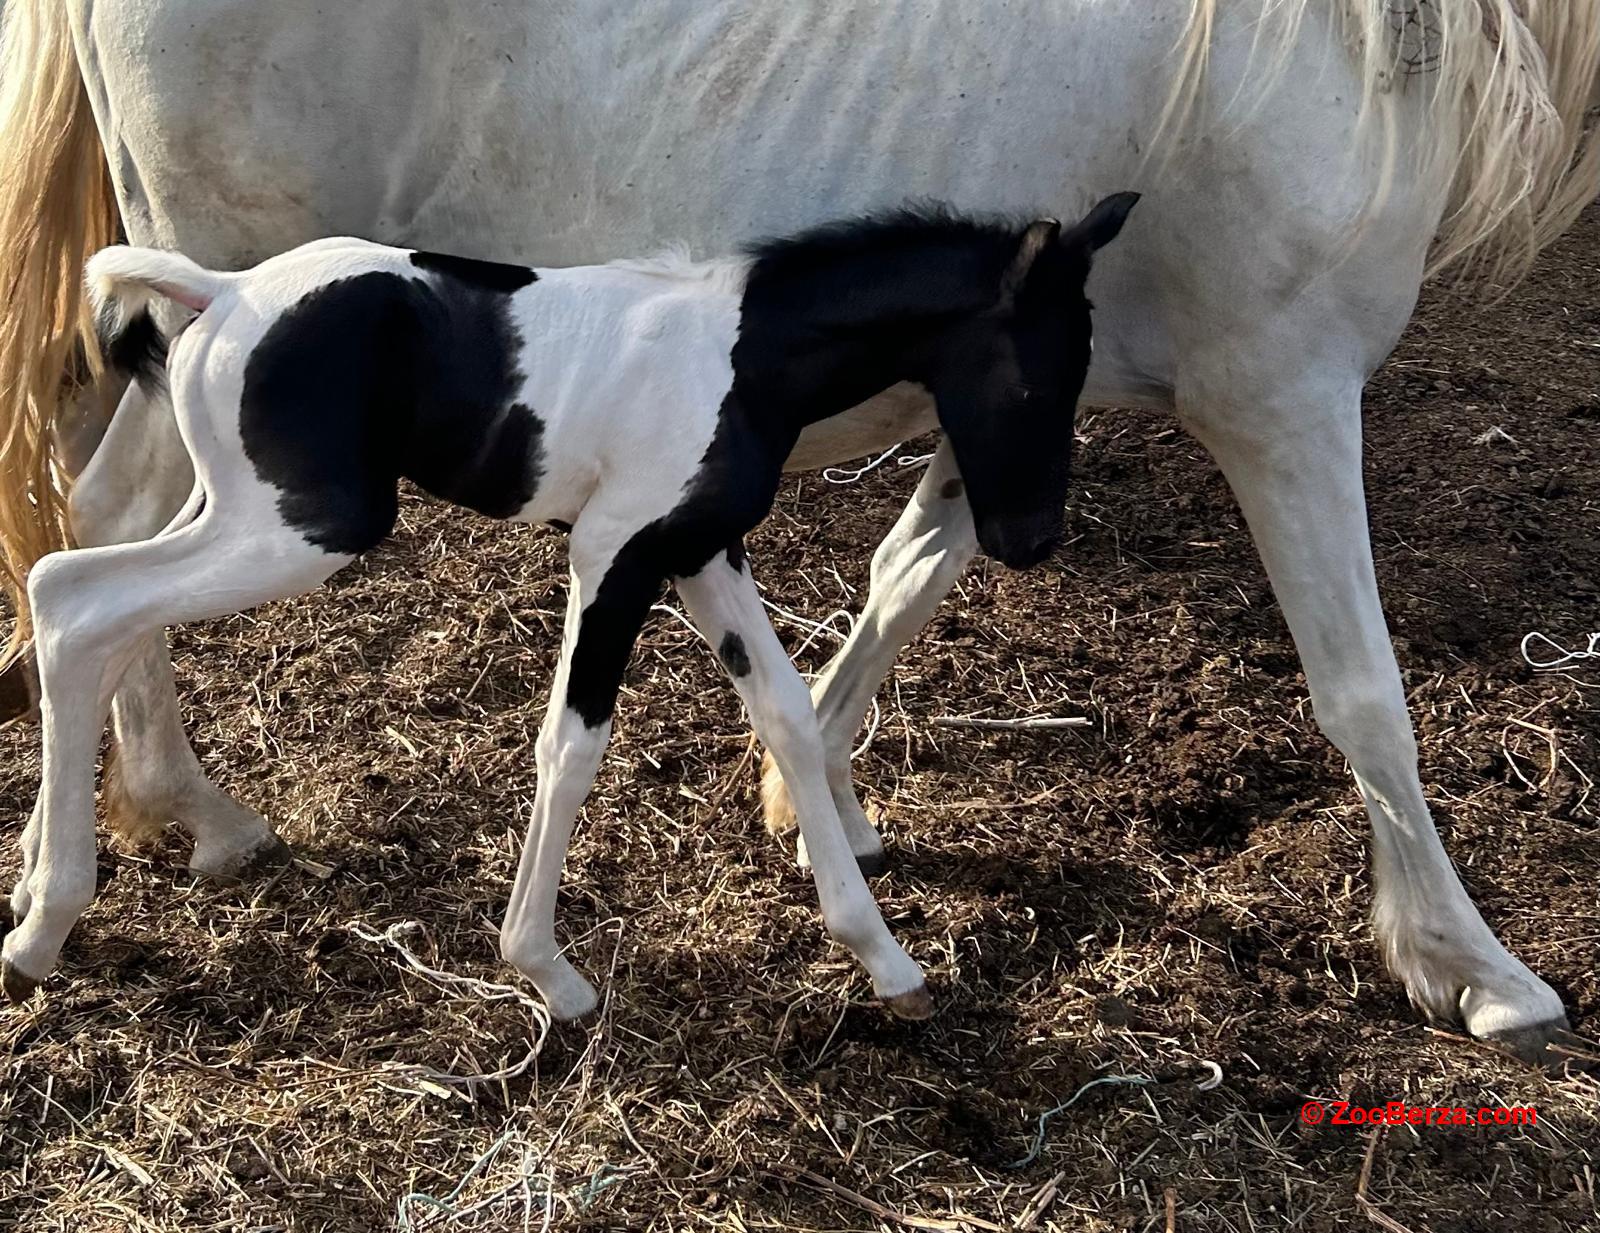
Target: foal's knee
55,596
567,745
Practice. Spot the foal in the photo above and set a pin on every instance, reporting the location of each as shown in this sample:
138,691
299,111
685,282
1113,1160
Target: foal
647,406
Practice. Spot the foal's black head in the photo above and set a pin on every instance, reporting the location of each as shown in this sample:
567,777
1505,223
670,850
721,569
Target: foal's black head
989,315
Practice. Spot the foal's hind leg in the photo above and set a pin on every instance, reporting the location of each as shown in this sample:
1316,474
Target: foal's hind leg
1293,458
723,600
91,609
134,484
912,571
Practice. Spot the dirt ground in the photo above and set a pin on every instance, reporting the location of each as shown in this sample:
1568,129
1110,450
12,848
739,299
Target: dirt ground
1182,883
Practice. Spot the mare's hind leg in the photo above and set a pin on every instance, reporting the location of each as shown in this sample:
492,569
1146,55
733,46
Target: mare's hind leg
1293,457
723,600
912,571
134,484
91,609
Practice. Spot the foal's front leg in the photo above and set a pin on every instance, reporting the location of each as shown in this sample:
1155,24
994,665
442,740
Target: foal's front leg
725,605
606,604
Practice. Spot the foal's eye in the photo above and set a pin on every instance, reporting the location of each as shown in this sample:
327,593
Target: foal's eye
1020,395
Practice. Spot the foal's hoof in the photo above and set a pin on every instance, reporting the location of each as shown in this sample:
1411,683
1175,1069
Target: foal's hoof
17,985
914,1005
567,995
871,865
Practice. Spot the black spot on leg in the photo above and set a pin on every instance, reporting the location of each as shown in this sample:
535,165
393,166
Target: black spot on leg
952,489
487,275
733,655
736,556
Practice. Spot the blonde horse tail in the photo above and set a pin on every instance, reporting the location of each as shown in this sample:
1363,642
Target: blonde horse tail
1509,87
56,207
1519,75
1568,33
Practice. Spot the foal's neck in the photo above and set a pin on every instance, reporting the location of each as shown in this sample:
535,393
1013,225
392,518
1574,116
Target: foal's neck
837,315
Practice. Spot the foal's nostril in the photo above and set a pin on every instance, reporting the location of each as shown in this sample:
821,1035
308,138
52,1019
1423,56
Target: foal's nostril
1041,550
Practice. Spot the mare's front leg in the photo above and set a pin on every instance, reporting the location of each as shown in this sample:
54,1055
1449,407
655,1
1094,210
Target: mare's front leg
1293,457
912,571
609,597
723,600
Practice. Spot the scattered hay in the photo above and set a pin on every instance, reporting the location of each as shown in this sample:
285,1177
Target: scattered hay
1176,888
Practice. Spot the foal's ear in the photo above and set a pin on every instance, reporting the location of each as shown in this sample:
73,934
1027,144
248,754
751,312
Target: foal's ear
1039,236
1100,225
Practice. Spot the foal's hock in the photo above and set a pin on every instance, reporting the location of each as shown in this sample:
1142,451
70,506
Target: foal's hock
647,405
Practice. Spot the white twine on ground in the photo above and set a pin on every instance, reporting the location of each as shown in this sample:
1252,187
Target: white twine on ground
1039,1135
1211,1082
1021,724
521,1189
849,475
448,982
1563,656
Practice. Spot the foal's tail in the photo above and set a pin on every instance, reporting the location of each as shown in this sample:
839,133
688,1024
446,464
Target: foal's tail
122,283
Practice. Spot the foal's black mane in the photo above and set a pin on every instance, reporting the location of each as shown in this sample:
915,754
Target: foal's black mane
919,259
916,224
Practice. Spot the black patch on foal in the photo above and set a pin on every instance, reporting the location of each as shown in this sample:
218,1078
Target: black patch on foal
730,494
486,275
378,377
733,655
736,556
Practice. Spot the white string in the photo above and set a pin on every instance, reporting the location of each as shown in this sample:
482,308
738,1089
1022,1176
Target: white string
487,990
872,731
848,475
1563,656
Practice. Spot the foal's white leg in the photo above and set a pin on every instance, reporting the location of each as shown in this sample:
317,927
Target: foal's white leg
568,754
914,568
91,608
134,484
726,607
1294,463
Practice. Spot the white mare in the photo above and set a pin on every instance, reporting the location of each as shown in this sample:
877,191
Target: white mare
1298,160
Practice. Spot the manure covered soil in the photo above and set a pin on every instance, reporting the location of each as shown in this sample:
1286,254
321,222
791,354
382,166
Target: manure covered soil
1182,883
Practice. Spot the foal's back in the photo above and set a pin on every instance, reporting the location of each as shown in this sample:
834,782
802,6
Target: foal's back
508,390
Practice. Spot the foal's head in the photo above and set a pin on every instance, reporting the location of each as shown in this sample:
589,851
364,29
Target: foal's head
990,316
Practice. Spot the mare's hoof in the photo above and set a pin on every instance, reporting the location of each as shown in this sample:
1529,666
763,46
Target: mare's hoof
268,858
17,985
915,1005
1549,1046
873,863
19,690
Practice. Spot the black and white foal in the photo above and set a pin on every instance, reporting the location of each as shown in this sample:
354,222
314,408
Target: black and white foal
650,406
